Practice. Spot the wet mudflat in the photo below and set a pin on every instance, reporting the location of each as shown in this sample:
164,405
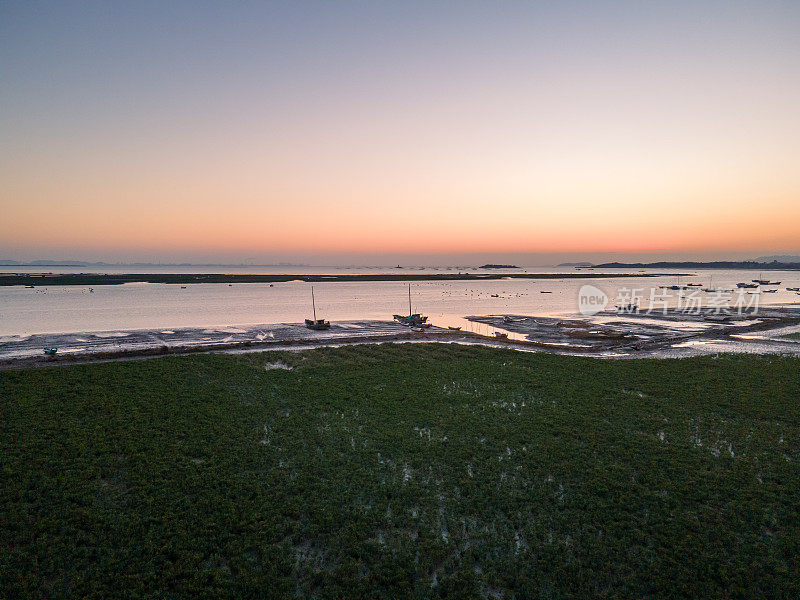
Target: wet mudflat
658,334
606,335
72,347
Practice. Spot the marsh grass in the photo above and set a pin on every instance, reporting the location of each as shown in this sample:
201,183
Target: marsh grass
402,470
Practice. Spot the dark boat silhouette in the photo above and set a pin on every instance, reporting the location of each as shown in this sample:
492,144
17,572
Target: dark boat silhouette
413,319
315,323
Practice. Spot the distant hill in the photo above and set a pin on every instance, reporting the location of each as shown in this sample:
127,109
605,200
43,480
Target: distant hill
781,258
576,264
749,264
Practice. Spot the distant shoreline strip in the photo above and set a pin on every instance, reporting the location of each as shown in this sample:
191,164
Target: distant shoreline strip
41,279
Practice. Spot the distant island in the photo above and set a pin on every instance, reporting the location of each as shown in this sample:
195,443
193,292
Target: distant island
79,263
576,264
499,267
748,264
781,258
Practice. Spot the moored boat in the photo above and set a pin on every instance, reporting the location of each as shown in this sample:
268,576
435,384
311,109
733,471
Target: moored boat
765,281
716,290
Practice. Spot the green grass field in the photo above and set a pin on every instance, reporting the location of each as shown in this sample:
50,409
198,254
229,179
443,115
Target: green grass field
402,470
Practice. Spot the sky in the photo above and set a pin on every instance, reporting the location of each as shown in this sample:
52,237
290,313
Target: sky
373,132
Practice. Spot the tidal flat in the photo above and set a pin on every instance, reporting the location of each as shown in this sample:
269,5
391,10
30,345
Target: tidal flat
402,471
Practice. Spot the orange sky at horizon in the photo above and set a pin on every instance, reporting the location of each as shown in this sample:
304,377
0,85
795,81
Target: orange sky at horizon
608,127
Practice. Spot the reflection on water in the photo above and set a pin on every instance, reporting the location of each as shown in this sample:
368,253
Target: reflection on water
451,321
165,307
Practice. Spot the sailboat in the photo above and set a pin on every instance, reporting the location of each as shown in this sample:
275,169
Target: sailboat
413,319
677,285
713,290
316,324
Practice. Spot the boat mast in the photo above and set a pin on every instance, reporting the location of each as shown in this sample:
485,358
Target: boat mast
409,299
313,304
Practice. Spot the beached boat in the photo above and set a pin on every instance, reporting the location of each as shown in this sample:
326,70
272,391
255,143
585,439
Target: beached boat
50,351
315,323
507,319
500,335
413,319
451,328
408,320
717,318
628,308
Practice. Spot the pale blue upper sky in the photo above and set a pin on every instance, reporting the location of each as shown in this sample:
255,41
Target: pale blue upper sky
239,111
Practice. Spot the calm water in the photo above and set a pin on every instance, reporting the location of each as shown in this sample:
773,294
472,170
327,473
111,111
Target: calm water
26,311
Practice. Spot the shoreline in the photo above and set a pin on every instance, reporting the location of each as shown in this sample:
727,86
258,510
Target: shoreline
431,335
64,279
608,336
